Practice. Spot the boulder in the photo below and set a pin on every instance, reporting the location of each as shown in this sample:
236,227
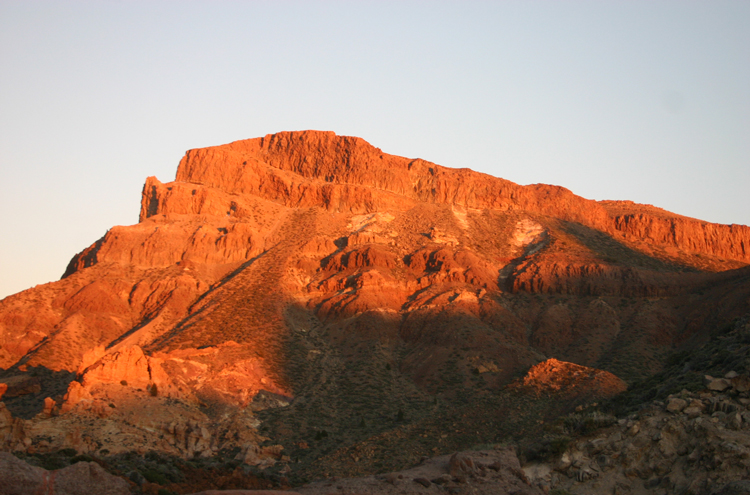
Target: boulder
675,405
243,492
740,383
129,365
461,465
18,385
735,488
84,478
716,384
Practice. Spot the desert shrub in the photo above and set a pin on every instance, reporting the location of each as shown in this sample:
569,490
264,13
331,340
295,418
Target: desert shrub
51,462
583,424
154,456
544,450
558,445
678,358
153,390
154,476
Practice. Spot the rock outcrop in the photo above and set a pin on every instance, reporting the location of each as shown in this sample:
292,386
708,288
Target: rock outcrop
492,471
553,377
692,443
314,168
83,478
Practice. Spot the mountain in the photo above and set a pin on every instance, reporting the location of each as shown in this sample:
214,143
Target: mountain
308,303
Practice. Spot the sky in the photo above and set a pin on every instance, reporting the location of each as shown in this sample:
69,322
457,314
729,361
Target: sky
646,101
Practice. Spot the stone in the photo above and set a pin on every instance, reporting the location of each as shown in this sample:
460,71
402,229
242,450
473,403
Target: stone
734,421
443,479
245,492
554,376
129,365
717,384
49,406
76,393
423,481
461,465
675,405
693,411
18,385
740,383
735,488
82,478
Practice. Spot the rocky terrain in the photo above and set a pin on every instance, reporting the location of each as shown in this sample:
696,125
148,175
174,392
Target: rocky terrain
304,307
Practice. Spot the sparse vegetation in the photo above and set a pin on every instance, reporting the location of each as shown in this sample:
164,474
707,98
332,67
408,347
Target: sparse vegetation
587,422
727,350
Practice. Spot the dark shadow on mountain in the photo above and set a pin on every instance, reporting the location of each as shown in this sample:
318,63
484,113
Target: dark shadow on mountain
610,250
87,256
186,322
421,383
28,389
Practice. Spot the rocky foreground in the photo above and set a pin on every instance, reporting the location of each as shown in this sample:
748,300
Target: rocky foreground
693,443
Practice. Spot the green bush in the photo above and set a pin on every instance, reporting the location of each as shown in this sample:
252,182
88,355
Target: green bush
154,476
559,445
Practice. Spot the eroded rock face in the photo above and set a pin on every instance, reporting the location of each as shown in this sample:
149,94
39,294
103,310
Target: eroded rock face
350,165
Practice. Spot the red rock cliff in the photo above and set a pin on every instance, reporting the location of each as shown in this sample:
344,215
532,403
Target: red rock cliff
348,174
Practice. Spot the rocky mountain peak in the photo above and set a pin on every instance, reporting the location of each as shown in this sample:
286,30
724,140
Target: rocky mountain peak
306,296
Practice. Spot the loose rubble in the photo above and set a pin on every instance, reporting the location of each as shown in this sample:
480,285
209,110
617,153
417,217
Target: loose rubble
496,472
692,444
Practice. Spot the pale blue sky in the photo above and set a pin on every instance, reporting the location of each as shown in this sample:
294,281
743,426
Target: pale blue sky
640,100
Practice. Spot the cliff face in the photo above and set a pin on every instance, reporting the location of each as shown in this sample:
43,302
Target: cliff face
730,242
313,266
348,174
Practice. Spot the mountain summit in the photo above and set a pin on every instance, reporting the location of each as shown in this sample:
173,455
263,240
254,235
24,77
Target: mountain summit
304,296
